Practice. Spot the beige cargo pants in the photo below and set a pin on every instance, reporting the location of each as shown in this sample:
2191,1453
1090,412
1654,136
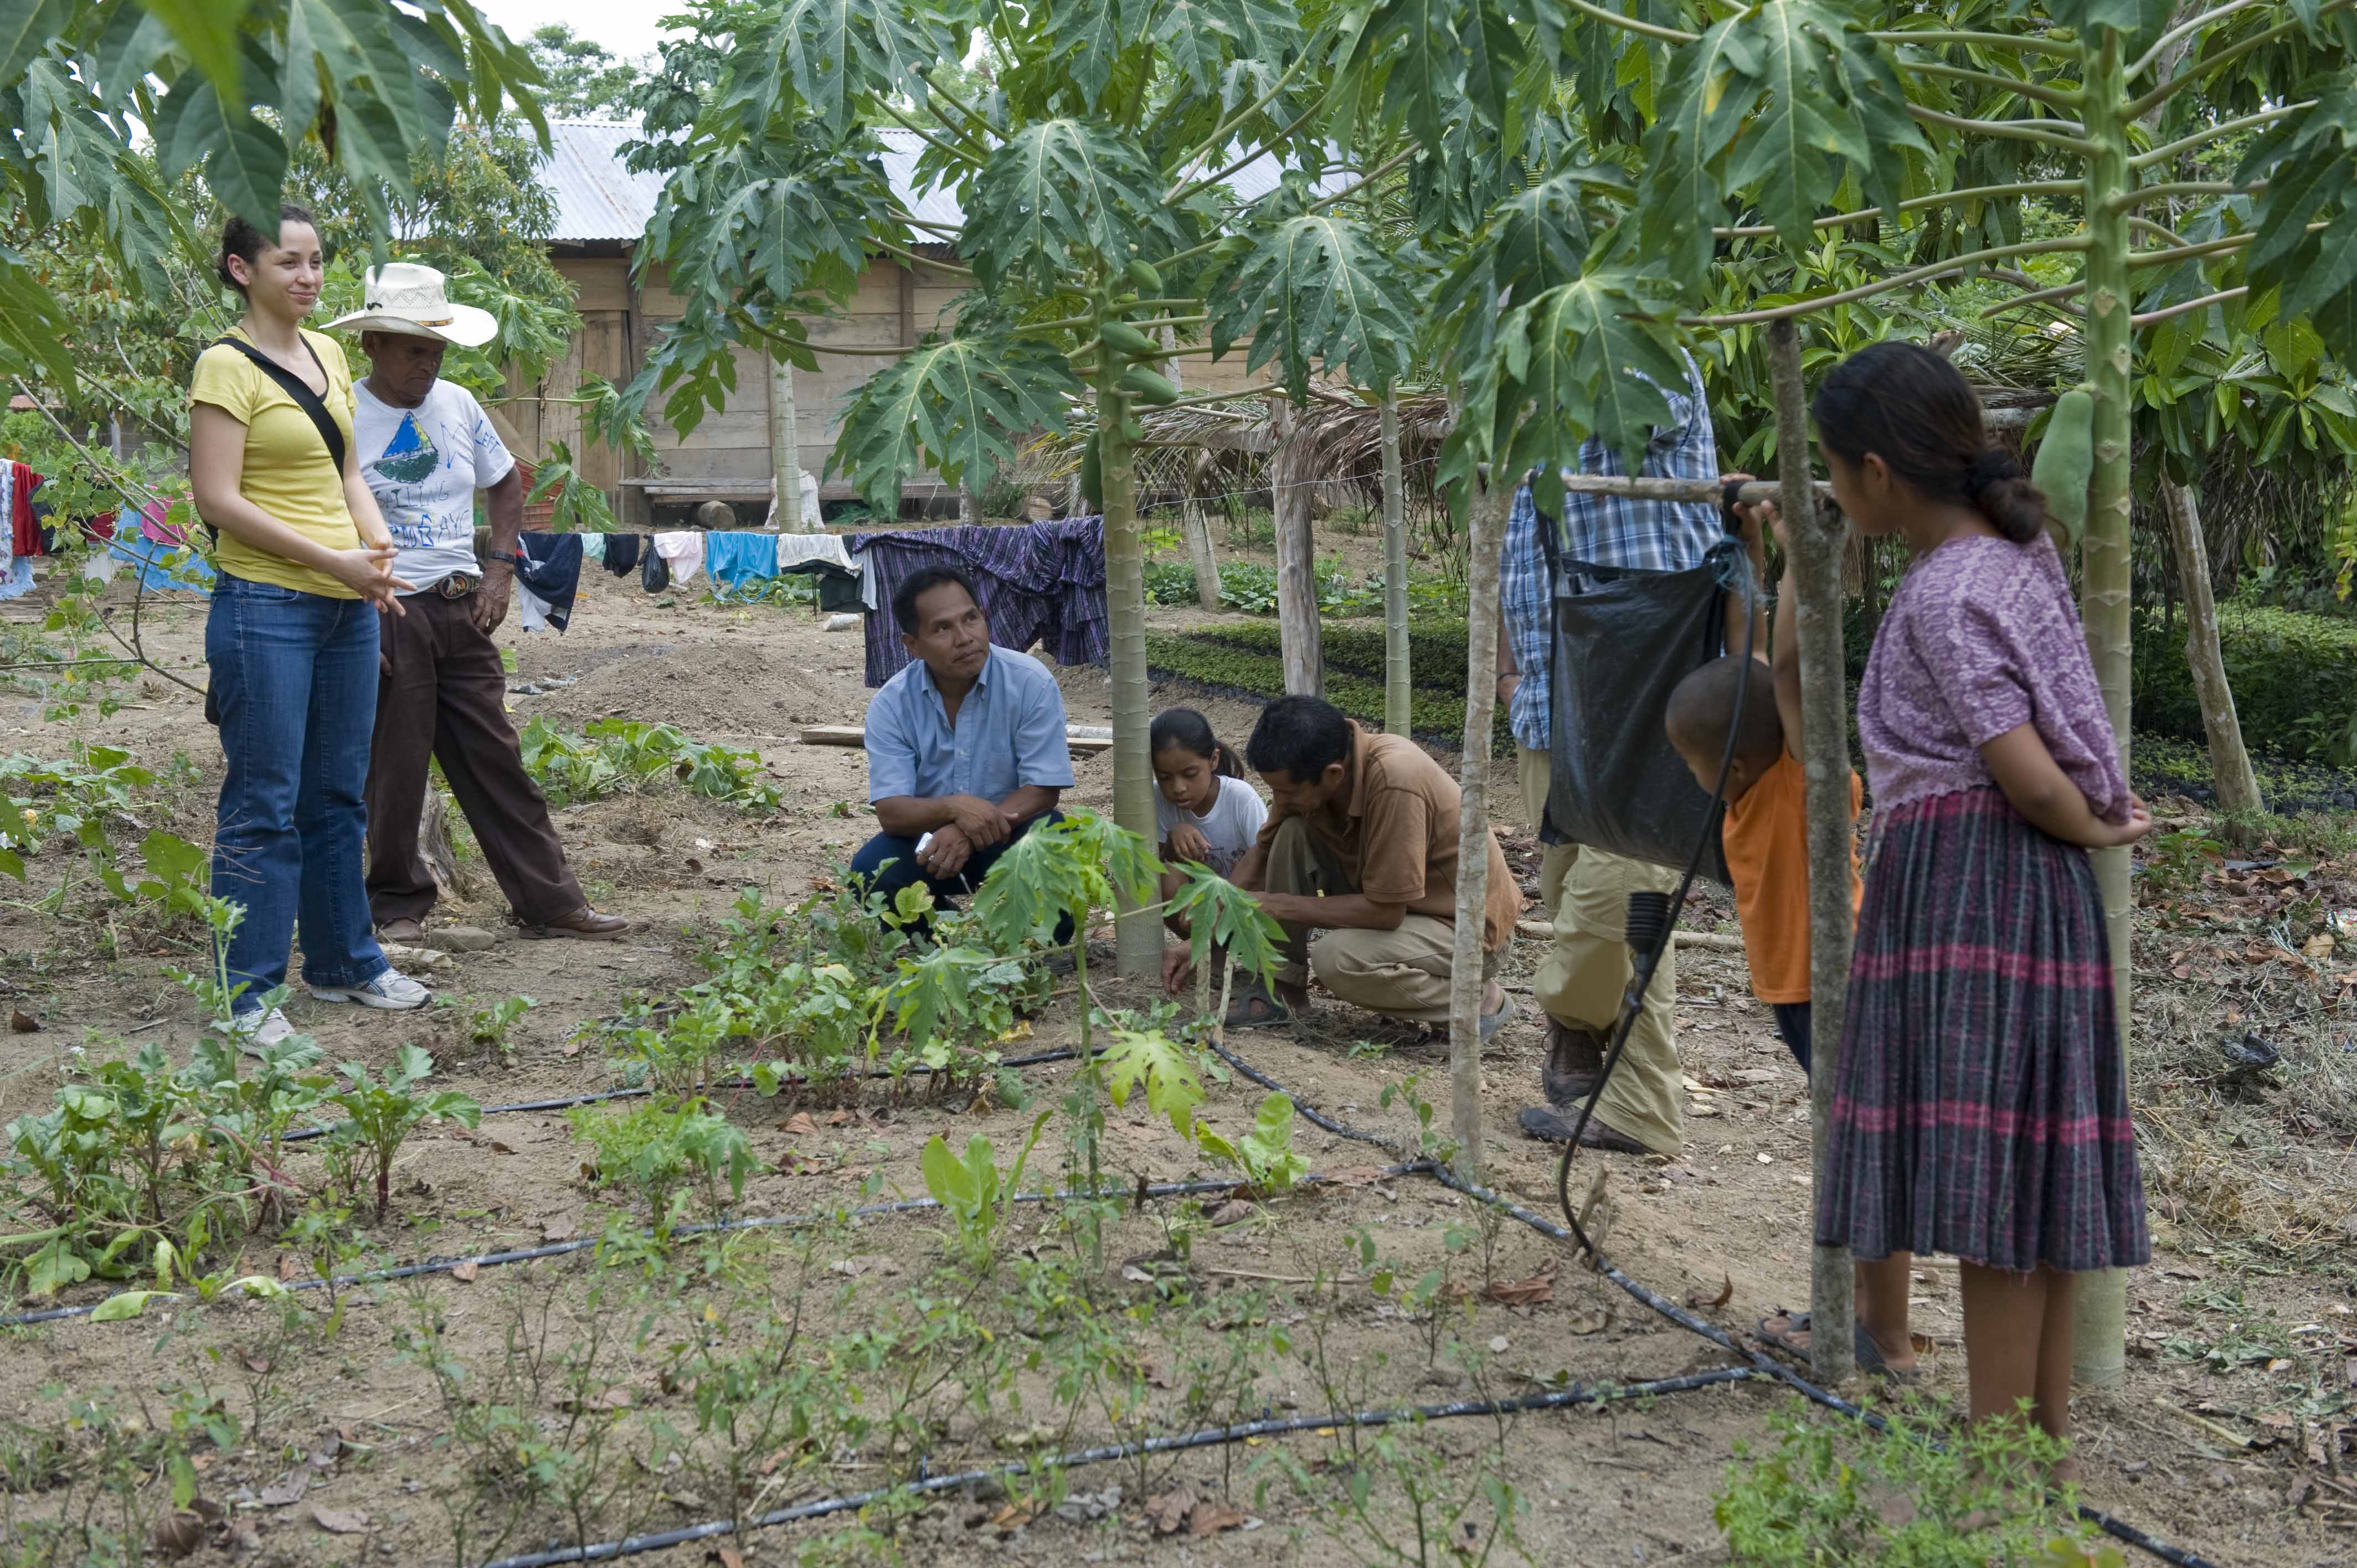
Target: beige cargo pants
1401,974
1582,977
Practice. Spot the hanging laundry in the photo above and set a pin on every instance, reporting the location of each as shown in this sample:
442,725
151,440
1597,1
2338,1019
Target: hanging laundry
532,612
822,556
682,553
654,573
18,581
7,508
737,559
153,526
548,568
24,532
1038,583
593,548
622,553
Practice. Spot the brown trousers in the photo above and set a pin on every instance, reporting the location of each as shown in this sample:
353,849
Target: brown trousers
1403,974
441,694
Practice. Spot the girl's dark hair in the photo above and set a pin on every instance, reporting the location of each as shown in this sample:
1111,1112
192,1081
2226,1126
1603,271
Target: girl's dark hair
244,241
1913,409
1190,731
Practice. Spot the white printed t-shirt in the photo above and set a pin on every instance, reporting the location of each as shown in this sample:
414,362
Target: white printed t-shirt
1228,827
424,465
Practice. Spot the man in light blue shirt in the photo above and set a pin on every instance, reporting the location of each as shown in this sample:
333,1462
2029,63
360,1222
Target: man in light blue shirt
965,746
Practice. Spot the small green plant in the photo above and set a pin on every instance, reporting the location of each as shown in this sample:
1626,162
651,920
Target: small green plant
664,1149
616,755
1917,1495
322,1235
489,1026
2174,862
1265,1155
379,1116
970,1192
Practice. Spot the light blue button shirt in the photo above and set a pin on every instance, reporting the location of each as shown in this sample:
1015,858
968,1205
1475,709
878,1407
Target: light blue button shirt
1009,733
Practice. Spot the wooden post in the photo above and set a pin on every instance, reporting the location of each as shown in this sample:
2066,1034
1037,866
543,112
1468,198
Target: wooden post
2230,759
1825,742
1396,701
1298,630
1198,526
1487,527
785,449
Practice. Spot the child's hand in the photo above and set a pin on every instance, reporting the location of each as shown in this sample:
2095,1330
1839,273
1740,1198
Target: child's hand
1750,515
2139,823
1190,844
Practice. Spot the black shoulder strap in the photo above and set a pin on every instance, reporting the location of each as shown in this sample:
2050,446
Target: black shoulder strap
310,402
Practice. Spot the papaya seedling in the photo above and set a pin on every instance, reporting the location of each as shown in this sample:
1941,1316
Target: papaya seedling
379,1116
970,1191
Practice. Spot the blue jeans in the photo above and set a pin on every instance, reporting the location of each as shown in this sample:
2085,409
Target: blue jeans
869,867
294,691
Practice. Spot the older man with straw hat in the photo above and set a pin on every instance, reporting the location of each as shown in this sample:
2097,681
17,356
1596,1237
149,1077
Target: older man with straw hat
426,447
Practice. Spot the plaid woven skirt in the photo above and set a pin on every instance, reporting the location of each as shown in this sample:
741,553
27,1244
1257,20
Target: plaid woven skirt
1981,1105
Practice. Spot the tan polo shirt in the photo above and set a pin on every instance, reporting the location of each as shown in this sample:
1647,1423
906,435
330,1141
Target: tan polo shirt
1392,825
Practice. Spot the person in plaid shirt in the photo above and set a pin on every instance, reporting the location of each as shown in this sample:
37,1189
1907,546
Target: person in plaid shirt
1586,891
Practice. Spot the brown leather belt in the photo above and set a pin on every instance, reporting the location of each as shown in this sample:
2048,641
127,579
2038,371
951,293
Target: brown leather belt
457,586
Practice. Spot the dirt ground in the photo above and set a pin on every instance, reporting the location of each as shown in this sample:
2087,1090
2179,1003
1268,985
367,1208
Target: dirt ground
2198,1445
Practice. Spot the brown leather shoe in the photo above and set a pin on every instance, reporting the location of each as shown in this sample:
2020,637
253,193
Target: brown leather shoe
585,924
408,933
1544,1121
1575,1056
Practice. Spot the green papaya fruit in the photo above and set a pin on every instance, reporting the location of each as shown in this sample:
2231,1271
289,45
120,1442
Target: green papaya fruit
1148,281
2065,465
1092,477
1123,339
1146,387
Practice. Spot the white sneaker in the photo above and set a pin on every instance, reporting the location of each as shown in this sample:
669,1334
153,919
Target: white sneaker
392,990
254,1031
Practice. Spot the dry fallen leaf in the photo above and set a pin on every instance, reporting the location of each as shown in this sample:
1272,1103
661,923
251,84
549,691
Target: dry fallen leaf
1697,1300
1356,1175
843,1119
1589,1322
798,1124
256,1364
1535,1291
24,1023
727,1557
179,1533
571,1048
1211,1518
464,1272
1234,1209
1157,1377
339,1521
289,1489
1168,1510
2317,946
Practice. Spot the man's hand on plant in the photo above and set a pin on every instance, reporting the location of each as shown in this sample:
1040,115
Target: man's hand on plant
1177,969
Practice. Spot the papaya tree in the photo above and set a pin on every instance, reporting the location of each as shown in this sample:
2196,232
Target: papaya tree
1092,163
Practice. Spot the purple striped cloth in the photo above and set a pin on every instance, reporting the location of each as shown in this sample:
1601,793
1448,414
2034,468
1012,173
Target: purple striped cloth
1040,583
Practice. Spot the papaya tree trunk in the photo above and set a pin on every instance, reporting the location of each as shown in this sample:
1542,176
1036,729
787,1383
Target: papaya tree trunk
1140,939
2230,760
1487,522
1298,631
2099,1326
1198,525
1395,660
1824,758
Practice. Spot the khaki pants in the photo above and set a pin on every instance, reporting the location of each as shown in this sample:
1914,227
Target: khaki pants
1582,978
1403,974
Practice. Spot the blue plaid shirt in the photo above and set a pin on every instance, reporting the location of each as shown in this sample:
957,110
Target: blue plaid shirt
1609,530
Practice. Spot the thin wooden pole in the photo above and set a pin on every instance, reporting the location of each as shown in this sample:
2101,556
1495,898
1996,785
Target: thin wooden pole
2230,759
1396,701
1487,525
1824,753
1298,633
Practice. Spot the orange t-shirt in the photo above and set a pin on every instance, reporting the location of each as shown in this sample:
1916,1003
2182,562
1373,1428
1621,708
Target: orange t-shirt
1766,836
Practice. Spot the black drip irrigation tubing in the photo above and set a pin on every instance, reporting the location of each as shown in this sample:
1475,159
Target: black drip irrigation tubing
1208,1437
304,1134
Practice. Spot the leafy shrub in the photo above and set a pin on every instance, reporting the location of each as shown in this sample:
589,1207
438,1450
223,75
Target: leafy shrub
615,755
1265,1156
1169,582
82,799
2293,676
663,1150
970,1191
379,1116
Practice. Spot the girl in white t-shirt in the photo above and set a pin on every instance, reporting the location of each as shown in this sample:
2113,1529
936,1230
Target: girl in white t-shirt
1206,812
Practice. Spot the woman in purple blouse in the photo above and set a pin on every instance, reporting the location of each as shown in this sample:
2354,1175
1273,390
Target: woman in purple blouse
1981,1105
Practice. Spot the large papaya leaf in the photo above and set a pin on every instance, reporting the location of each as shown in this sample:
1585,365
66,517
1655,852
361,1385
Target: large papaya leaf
1589,358
1423,78
1320,286
807,228
1535,240
958,404
832,54
1151,1060
1702,114
1059,187
2310,162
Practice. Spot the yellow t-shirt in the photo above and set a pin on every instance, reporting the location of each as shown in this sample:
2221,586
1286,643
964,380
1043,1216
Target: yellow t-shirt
286,473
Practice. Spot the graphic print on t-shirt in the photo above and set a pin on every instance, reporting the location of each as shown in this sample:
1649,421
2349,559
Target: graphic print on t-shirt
410,456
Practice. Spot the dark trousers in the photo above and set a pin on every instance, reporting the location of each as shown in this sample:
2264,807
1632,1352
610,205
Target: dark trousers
1793,1023
887,863
442,695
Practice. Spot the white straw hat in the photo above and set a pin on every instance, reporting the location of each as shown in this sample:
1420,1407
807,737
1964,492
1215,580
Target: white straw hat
403,297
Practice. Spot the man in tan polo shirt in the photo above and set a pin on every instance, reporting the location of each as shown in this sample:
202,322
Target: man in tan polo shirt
1358,862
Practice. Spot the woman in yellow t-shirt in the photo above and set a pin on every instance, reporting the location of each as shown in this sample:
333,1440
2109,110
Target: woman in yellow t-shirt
305,567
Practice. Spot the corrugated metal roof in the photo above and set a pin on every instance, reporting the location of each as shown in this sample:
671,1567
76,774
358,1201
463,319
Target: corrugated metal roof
599,197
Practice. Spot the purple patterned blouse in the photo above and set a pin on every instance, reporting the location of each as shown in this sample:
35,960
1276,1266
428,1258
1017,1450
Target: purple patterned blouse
1982,637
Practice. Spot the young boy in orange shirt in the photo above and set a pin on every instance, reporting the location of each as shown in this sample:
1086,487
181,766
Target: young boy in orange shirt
1766,831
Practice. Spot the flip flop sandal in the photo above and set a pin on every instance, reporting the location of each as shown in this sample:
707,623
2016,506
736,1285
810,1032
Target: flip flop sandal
1493,1022
1868,1353
1256,1009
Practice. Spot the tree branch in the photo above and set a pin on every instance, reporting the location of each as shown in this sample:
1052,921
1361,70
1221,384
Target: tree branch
2160,232
1226,128
2148,317
2055,97
2128,201
909,124
2018,130
2038,297
980,124
1172,197
1896,280
2211,133
1630,24
1982,41
1916,204
912,256
1365,180
2138,108
2176,35
914,221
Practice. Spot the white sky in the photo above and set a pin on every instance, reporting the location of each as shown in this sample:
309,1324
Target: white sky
627,28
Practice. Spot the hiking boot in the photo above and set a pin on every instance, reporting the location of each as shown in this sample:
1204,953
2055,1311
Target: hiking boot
1575,1056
